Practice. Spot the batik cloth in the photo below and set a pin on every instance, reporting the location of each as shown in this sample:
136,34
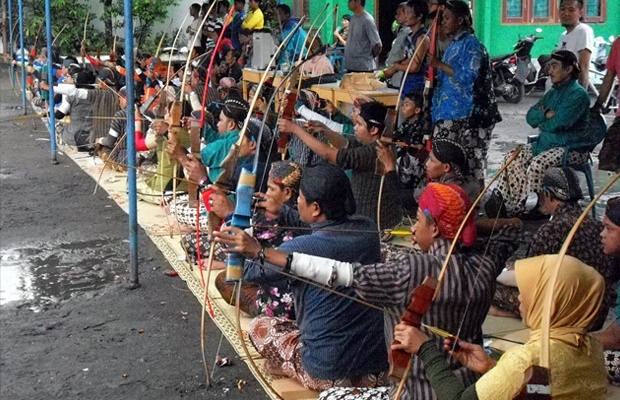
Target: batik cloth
475,140
525,173
278,340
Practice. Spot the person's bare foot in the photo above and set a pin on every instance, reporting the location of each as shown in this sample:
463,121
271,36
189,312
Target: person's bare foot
496,312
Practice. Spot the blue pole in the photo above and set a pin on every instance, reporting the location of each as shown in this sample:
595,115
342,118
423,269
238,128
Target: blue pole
20,11
50,80
131,145
11,49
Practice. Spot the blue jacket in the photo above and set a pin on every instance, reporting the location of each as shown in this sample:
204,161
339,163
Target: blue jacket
294,47
571,104
341,338
454,97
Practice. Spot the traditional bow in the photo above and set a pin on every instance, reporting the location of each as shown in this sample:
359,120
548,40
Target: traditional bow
541,373
422,301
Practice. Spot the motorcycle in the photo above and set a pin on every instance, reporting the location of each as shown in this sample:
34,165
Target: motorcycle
598,60
514,72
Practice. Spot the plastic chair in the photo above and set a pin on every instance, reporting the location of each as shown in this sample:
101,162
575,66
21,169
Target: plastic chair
596,132
337,60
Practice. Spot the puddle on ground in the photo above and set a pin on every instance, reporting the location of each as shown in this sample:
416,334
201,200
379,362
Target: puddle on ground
52,272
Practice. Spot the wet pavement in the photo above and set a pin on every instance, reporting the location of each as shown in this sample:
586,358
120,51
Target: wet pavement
70,327
51,272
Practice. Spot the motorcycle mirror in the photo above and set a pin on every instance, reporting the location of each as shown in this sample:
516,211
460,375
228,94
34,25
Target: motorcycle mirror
538,30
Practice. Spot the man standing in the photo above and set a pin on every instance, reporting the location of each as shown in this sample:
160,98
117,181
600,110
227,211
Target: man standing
609,157
294,46
363,42
578,38
192,30
255,19
235,25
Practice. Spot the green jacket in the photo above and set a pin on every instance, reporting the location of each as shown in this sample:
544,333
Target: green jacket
568,126
216,150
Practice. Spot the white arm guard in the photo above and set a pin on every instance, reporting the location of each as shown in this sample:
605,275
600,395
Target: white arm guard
322,270
70,90
193,98
310,115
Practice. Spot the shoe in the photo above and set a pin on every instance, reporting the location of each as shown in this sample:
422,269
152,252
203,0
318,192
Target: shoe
494,207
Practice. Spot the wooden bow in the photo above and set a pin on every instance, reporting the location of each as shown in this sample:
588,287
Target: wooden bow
233,153
209,70
446,262
429,83
542,372
391,120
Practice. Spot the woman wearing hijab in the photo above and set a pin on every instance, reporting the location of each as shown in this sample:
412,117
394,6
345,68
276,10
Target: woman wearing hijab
576,367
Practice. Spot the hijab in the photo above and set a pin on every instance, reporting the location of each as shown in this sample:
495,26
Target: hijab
577,296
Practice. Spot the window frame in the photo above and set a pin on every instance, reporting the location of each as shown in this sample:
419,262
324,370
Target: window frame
554,14
595,19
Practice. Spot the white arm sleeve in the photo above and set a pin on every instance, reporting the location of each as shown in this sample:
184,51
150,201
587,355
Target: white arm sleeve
193,98
310,115
64,107
71,90
322,270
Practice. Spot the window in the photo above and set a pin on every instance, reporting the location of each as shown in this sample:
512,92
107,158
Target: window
547,11
595,10
541,9
514,9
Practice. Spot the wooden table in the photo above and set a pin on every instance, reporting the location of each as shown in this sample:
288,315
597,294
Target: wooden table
251,75
340,97
328,91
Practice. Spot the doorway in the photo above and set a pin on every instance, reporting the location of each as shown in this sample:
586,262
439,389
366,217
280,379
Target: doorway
385,12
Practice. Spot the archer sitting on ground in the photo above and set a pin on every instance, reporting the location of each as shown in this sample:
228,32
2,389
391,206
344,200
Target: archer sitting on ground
576,359
360,156
470,276
610,237
335,341
447,163
274,299
562,116
155,175
198,171
560,196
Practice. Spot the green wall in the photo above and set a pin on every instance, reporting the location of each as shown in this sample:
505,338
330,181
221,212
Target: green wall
496,36
499,37
316,6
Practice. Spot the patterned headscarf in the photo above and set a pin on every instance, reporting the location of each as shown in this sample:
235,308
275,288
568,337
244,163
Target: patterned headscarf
577,296
562,184
236,108
613,210
286,174
451,152
447,205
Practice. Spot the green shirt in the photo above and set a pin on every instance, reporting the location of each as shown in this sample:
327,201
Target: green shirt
571,104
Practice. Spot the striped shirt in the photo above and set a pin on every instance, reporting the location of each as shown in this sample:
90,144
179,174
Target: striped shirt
462,304
365,184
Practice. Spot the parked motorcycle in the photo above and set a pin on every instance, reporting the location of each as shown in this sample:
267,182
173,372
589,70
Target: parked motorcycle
515,72
598,60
